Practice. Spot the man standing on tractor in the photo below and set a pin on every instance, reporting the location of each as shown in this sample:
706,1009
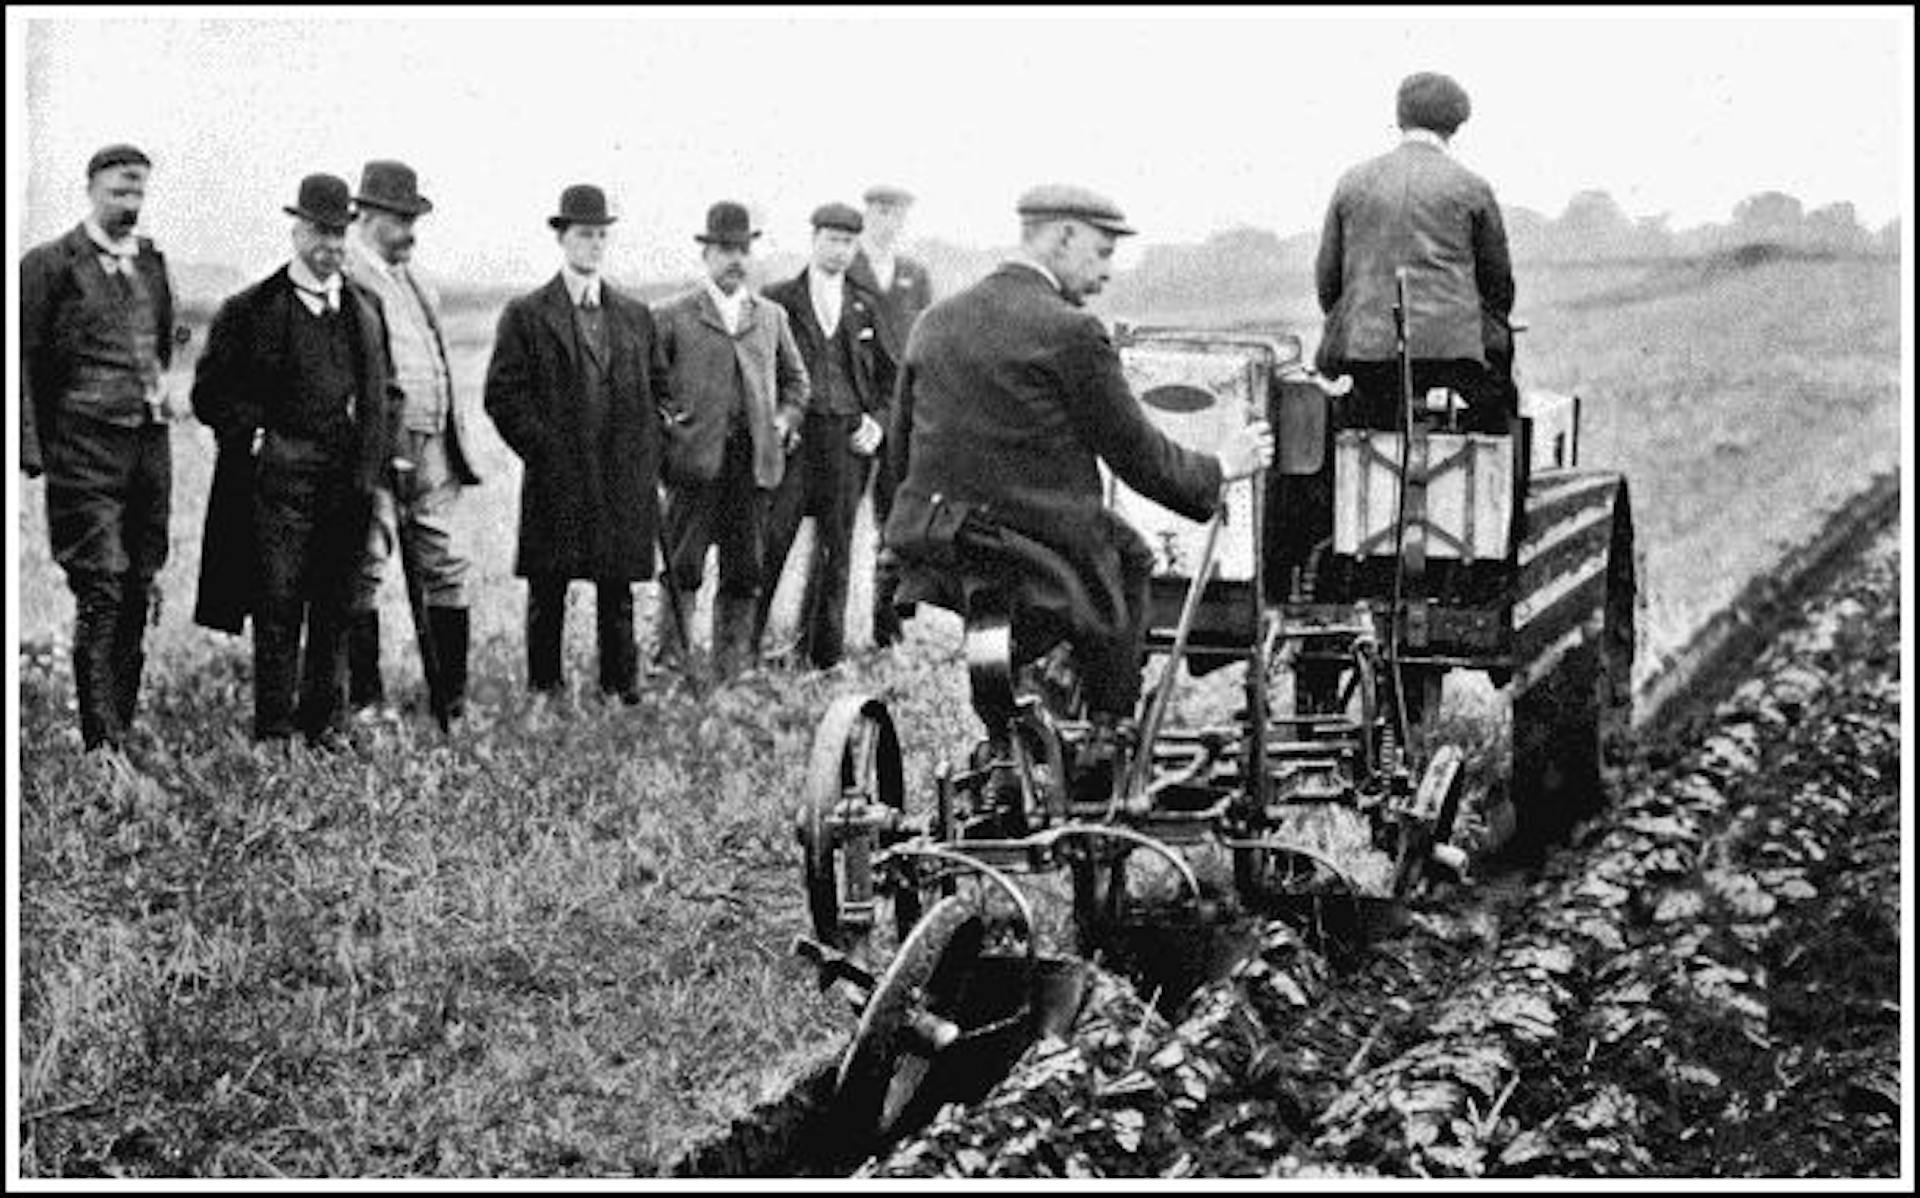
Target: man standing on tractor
1009,398
1417,208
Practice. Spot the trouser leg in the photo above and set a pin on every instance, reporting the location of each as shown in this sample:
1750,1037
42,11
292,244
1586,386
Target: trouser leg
452,634
96,600
613,622
741,535
276,665
546,620
129,637
323,673
145,524
886,570
786,507
687,524
824,618
365,687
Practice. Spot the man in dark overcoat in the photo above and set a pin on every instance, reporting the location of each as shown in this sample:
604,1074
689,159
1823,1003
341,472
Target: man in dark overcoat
1416,207
576,386
739,392
903,288
836,325
1010,398
296,385
96,339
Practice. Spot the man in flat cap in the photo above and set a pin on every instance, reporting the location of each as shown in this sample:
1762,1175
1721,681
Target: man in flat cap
837,325
576,385
1416,207
96,340
903,289
297,387
433,443
738,396
1010,398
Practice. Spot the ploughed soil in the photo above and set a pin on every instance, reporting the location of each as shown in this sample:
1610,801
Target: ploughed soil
1705,982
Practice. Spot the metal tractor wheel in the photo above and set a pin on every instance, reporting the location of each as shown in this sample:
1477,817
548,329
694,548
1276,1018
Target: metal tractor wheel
1575,637
854,767
910,1018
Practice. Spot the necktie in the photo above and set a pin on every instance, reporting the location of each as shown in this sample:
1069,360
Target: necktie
329,299
590,299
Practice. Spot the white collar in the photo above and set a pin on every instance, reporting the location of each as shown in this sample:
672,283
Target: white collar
126,247
726,302
304,278
579,286
820,280
1031,263
1425,137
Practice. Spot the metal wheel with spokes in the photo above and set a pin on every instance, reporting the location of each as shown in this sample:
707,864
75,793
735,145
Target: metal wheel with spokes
853,778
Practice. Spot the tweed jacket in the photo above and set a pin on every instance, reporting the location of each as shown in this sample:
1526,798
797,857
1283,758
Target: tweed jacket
702,361
244,373
360,267
589,497
1414,207
48,288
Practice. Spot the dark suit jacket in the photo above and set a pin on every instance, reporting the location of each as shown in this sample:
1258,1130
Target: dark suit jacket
244,374
703,360
900,304
48,288
1009,399
1415,207
857,335
589,504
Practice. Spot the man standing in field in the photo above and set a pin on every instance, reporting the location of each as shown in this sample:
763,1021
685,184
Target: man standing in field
837,327
433,440
903,289
1010,398
576,387
96,339
296,386
739,393
1417,208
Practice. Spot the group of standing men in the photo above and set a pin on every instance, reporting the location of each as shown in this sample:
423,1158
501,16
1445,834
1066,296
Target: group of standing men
342,442
341,437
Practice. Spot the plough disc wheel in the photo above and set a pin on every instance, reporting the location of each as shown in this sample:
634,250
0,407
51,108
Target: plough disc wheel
855,760
887,1065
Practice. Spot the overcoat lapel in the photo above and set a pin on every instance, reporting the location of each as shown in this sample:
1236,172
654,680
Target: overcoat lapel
557,309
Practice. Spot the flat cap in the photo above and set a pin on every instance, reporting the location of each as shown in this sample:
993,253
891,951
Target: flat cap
1064,199
838,216
116,155
886,193
1430,100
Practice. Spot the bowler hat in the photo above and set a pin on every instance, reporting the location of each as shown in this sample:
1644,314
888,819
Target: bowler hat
887,193
323,200
1430,100
121,154
728,224
582,204
1066,200
844,217
392,187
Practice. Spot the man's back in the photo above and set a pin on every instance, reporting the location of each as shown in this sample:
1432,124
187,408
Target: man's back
1012,395
1415,207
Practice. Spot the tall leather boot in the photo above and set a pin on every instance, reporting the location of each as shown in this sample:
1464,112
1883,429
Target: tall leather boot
96,610
613,628
452,631
733,643
673,627
365,687
129,634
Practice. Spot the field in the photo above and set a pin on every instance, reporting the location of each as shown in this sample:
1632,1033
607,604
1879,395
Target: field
558,946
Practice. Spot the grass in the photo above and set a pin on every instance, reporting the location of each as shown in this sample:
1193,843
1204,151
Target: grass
559,945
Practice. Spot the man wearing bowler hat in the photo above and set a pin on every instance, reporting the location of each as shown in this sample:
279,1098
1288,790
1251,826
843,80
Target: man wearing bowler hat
296,385
433,442
1010,398
739,394
576,388
850,383
96,339
903,289
1417,208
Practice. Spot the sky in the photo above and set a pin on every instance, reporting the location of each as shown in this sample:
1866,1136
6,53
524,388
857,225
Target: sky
1192,120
